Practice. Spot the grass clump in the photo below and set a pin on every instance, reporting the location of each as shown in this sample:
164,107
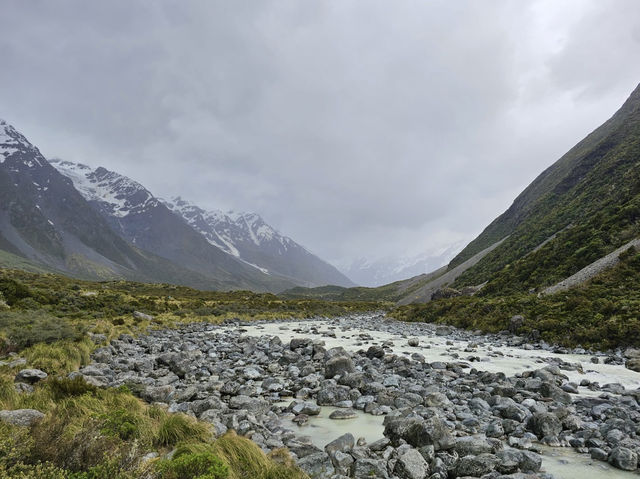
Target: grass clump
186,464
176,428
60,357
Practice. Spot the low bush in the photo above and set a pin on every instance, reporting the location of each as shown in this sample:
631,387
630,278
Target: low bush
193,465
27,328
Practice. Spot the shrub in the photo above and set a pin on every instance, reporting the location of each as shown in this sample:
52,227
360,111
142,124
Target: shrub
13,291
193,465
26,328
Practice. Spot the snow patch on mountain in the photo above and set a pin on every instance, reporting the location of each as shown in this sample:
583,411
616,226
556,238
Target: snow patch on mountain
231,230
116,193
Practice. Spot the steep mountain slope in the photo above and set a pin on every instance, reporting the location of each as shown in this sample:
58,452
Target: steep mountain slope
247,237
580,209
45,219
140,218
568,260
584,206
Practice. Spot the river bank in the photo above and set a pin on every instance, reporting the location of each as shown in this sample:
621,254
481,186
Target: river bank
445,402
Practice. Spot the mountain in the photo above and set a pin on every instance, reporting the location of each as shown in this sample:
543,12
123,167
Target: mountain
247,237
390,269
143,220
46,221
581,208
241,249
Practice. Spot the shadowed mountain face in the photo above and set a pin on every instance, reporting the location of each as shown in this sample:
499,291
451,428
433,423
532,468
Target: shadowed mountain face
119,231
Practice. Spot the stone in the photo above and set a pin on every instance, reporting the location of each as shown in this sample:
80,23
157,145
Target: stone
598,454
552,391
436,399
633,364
375,352
338,365
432,431
21,417
414,342
472,446
142,316
411,465
623,458
162,394
343,443
476,466
30,376
342,463
365,468
317,465
545,424
299,343
308,408
343,414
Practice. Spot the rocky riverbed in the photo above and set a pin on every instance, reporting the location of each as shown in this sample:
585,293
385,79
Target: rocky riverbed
446,403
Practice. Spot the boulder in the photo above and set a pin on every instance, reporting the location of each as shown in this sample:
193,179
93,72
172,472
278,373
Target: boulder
476,466
317,465
30,376
545,424
375,352
338,365
21,417
343,444
411,465
623,458
343,414
472,446
633,364
433,431
299,343
365,468
142,316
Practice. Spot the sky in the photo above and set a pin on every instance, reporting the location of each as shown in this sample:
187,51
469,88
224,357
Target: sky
361,129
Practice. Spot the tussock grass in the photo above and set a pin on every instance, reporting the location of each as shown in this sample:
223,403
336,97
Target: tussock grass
176,428
60,357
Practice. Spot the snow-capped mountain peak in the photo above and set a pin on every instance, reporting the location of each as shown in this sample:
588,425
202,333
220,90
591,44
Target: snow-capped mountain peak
14,144
249,238
117,194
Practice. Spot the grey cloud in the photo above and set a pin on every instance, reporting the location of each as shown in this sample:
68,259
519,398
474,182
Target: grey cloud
359,128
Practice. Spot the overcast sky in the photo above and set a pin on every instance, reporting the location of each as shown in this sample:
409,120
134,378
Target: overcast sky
359,128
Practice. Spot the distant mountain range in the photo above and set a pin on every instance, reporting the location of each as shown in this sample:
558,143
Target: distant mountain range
390,269
96,223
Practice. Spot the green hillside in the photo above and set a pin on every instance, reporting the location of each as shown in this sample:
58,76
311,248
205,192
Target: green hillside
590,198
